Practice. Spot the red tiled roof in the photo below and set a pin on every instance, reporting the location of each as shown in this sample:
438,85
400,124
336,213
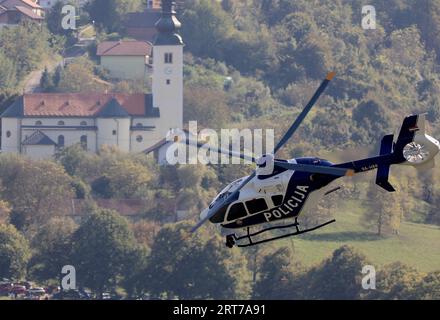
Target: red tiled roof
124,48
28,12
9,4
79,104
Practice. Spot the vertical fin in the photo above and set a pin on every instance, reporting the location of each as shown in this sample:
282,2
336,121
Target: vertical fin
383,171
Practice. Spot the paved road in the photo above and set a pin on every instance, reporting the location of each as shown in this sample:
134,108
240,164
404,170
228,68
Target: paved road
32,83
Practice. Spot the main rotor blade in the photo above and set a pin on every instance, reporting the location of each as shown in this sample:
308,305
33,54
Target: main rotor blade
218,150
315,169
209,216
305,111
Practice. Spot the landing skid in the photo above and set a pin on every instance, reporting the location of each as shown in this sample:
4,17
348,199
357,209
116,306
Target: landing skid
232,239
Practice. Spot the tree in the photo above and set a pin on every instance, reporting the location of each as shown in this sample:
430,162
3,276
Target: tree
127,178
109,14
14,253
384,212
371,119
57,76
314,53
78,76
195,267
428,288
53,247
205,105
338,277
397,281
275,276
5,210
36,190
46,82
72,158
55,16
7,73
205,28
102,247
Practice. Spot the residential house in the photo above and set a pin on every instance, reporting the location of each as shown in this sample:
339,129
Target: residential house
47,4
125,59
28,4
13,12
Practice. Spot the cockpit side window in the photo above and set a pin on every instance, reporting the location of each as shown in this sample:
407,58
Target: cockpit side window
277,200
236,211
256,205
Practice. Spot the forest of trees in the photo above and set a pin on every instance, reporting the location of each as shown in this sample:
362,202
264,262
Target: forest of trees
248,63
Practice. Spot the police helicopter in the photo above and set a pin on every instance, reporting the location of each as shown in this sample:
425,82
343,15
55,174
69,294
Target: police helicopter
283,189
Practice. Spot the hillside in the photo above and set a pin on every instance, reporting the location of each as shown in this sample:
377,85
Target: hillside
417,244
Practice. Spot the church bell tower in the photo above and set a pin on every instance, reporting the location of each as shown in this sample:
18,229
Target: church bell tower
167,86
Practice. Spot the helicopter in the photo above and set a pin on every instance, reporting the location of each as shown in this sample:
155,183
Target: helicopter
283,189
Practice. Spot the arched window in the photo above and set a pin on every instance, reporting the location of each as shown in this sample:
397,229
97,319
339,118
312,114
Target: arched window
61,123
83,141
8,134
60,141
38,123
83,123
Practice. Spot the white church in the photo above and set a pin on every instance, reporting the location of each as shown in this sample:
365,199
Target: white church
39,124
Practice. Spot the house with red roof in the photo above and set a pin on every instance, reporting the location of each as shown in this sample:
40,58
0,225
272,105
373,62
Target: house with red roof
127,59
38,124
13,12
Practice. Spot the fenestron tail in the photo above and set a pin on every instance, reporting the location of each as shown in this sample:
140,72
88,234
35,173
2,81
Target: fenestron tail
413,147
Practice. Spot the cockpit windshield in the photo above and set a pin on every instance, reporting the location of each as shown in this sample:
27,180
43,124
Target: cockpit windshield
226,191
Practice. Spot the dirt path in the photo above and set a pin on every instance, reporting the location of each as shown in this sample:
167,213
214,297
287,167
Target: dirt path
32,82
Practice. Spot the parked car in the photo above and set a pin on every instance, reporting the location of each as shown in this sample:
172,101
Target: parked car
37,294
106,296
18,290
26,284
5,288
72,295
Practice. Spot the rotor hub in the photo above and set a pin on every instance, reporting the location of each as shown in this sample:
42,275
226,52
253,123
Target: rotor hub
265,164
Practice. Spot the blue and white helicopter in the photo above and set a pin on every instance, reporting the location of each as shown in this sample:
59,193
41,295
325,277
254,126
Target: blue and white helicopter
283,189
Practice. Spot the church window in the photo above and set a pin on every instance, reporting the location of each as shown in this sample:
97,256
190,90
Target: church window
114,132
168,57
168,81
61,123
139,139
38,123
60,141
83,141
8,134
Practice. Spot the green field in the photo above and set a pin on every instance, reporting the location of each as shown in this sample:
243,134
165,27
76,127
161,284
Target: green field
417,245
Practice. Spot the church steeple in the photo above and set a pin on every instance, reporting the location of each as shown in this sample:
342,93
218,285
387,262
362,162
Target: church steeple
168,26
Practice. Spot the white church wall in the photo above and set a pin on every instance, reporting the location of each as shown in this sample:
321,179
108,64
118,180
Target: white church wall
71,137
68,121
114,132
10,135
39,152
